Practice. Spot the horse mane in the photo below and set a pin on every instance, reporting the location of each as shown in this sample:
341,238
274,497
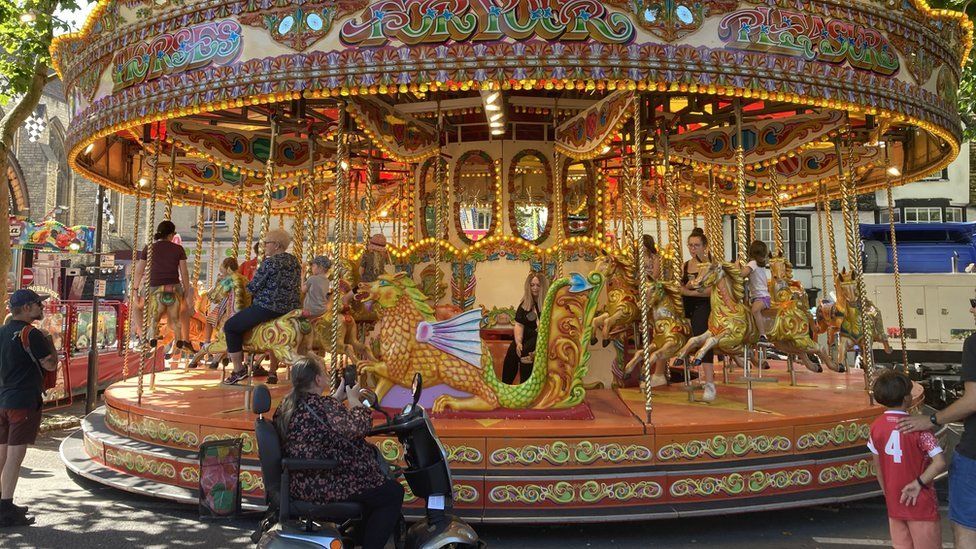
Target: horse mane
673,294
736,280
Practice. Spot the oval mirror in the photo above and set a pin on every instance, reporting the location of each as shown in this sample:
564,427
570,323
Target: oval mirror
580,194
530,195
474,195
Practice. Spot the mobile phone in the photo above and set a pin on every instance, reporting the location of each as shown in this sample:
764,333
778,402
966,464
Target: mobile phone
349,375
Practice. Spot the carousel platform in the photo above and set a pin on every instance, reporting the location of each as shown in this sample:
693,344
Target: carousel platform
802,445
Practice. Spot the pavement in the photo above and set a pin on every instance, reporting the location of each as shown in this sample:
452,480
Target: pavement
74,513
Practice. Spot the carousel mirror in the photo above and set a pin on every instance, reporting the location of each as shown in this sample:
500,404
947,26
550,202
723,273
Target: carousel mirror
530,189
474,192
579,191
428,195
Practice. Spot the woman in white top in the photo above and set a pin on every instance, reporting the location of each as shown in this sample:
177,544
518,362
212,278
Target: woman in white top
758,283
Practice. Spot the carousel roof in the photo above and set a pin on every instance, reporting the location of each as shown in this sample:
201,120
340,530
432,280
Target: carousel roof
193,86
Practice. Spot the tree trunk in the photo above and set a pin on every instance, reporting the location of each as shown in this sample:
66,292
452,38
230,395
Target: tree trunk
11,122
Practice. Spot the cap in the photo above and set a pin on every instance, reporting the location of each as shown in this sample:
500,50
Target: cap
26,297
378,240
322,261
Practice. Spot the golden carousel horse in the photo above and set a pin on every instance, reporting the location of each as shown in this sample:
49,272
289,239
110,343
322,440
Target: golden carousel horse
282,336
843,318
671,329
451,352
347,339
730,324
621,311
792,329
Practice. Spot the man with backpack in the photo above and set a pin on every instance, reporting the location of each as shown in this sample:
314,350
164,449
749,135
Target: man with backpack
26,354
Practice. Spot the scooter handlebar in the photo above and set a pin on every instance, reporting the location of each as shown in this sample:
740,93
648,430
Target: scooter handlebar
395,427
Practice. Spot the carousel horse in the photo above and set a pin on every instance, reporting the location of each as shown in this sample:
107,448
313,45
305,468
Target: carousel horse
843,318
451,352
621,311
281,336
164,300
347,339
730,324
671,329
792,328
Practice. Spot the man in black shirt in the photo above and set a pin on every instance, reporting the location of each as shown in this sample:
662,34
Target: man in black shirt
962,472
25,352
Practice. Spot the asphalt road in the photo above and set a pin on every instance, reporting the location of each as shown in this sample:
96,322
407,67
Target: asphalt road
74,513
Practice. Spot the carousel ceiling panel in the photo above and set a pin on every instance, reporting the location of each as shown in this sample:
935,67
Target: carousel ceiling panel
141,61
763,140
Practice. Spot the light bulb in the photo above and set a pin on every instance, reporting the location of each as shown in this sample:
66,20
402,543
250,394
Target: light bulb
894,172
492,107
492,97
495,117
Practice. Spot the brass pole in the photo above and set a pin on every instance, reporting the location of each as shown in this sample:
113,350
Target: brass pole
740,185
171,183
338,267
268,188
131,292
643,285
149,337
894,261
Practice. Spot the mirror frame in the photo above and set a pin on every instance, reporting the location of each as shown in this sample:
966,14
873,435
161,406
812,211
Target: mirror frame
456,209
591,206
512,193
422,170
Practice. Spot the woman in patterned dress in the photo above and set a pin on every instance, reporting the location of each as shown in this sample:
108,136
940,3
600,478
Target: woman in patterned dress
313,426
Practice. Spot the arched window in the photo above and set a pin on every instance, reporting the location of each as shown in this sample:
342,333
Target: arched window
19,197
63,177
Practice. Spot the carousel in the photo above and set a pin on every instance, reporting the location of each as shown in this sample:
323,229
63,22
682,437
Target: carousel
488,140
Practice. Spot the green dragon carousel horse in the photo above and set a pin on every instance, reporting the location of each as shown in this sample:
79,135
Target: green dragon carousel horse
793,327
450,352
842,320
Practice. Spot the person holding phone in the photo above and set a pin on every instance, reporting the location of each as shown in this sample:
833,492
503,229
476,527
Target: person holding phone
521,353
314,426
962,470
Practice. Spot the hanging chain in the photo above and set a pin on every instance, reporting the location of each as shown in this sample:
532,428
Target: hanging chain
268,187
777,218
171,183
894,261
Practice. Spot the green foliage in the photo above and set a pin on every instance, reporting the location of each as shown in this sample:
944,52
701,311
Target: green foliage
24,44
967,84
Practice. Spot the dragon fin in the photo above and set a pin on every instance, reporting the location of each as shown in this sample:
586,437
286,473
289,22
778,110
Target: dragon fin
459,336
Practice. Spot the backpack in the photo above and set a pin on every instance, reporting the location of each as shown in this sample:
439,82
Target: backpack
49,377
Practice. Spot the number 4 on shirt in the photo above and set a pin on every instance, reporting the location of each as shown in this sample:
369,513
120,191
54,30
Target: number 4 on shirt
893,446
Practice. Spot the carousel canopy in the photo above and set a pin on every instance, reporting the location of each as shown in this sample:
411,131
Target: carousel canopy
193,87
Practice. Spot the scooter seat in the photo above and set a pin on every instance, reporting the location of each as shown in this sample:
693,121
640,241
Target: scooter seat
336,512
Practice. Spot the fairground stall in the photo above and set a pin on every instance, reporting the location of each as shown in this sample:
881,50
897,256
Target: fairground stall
495,138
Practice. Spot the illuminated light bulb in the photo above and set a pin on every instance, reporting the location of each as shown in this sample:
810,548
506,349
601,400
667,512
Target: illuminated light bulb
495,117
894,172
498,131
492,107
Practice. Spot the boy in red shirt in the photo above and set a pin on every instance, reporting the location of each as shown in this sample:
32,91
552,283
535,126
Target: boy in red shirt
907,463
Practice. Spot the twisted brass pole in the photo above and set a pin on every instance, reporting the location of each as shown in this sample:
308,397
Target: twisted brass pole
131,291
249,249
777,219
268,189
198,252
740,185
831,239
559,212
146,334
171,183
820,237
238,214
338,267
674,214
641,256
212,278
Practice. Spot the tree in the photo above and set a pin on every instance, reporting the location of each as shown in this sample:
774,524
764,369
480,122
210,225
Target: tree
967,82
27,29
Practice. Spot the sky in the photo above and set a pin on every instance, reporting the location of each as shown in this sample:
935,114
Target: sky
77,18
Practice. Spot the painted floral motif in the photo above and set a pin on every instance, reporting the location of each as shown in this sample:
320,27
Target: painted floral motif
139,463
721,446
731,485
157,430
462,454
531,494
860,470
779,480
594,492
841,435
251,481
296,27
563,493
561,453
